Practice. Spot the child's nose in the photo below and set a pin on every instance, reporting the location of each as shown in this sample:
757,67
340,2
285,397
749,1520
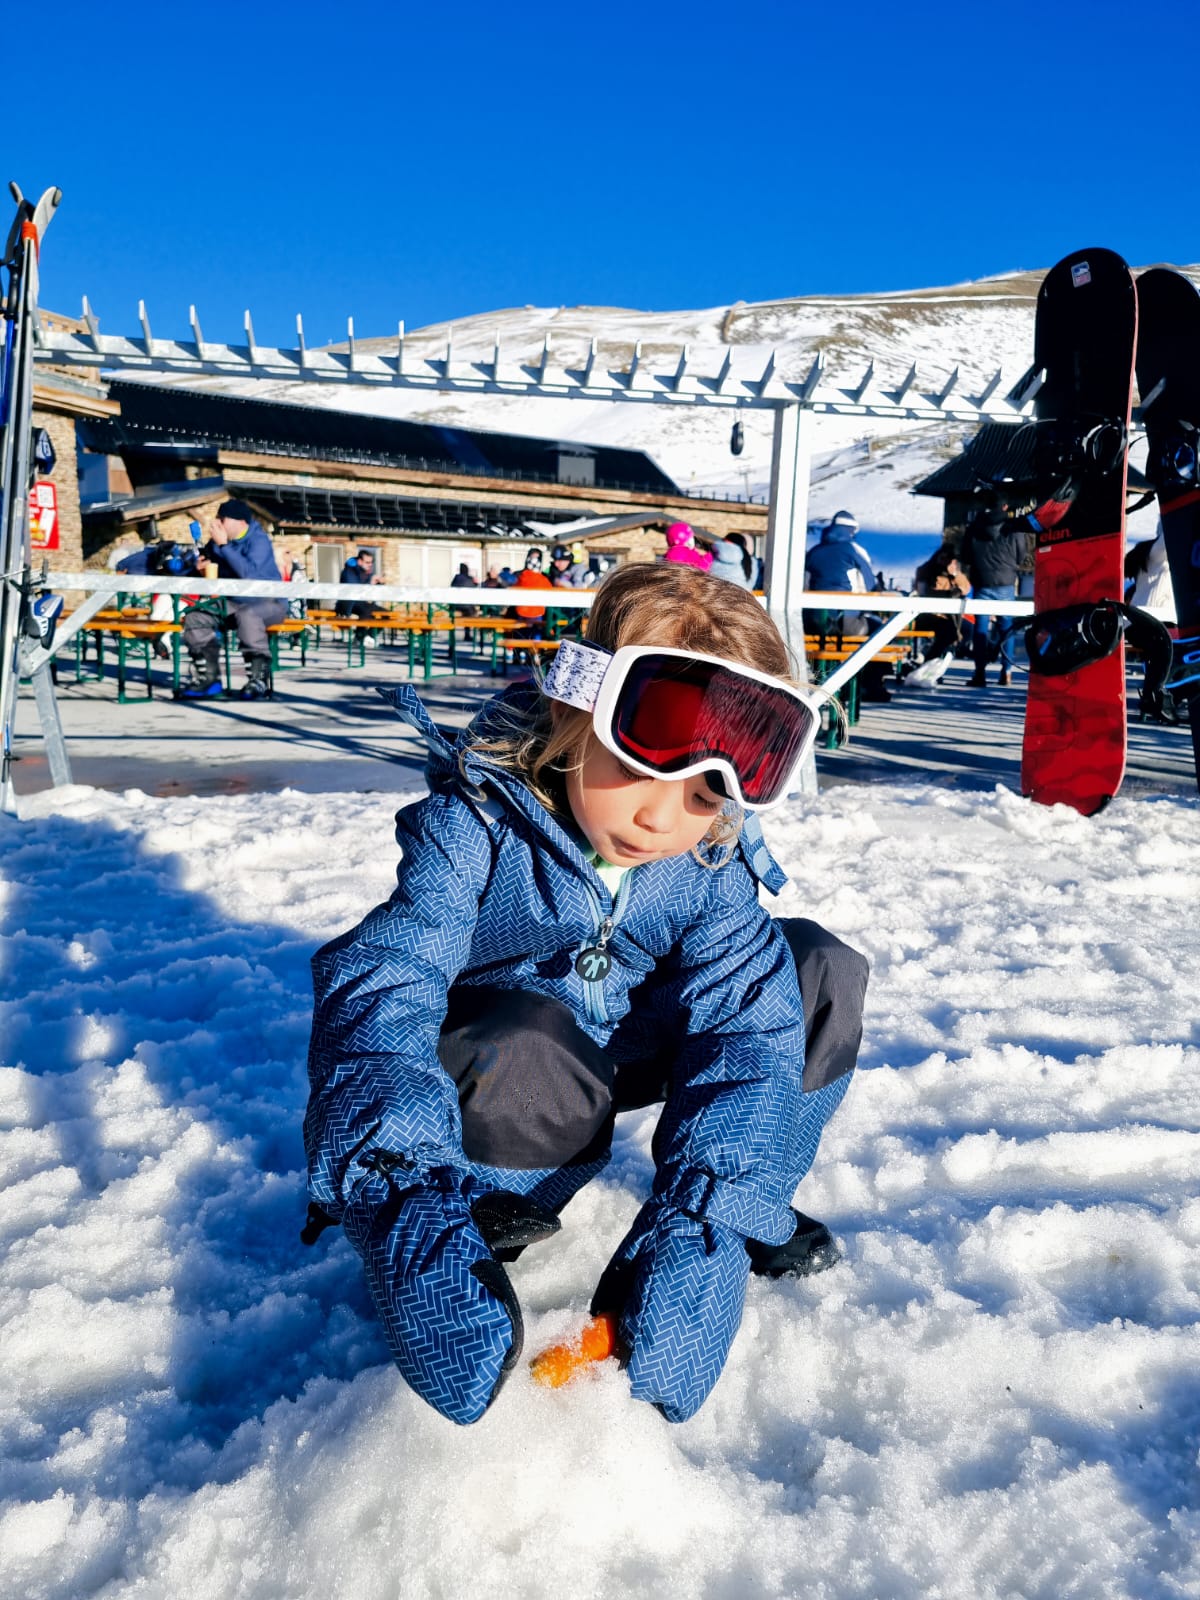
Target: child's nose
660,806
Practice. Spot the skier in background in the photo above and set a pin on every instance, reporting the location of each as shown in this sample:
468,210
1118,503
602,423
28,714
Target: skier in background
838,562
569,570
531,576
572,937
733,561
992,552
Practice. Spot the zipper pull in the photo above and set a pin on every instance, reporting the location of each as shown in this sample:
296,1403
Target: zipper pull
594,963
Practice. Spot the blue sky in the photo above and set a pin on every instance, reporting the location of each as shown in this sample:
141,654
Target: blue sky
430,161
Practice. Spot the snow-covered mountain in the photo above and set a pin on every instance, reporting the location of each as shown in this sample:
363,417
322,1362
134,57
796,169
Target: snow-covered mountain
974,327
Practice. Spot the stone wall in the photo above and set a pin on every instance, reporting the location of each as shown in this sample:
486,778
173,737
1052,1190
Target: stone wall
65,477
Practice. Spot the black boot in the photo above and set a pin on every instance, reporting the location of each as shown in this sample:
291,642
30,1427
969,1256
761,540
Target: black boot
206,676
258,678
810,1249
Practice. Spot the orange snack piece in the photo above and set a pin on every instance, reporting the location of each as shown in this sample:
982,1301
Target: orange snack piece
561,1362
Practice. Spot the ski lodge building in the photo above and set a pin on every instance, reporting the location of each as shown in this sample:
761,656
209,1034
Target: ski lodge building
139,461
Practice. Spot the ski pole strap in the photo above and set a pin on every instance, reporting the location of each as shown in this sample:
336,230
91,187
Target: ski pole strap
1074,637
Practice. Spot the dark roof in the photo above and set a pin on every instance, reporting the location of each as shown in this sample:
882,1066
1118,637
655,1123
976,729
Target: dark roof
156,501
336,508
996,445
186,424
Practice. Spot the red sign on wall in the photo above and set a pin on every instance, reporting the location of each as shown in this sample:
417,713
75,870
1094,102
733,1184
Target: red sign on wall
43,515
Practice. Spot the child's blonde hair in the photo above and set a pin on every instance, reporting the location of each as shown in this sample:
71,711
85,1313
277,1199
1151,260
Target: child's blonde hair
672,605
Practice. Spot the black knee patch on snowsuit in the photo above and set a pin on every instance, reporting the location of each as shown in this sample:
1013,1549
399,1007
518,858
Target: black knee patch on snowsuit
833,987
533,1089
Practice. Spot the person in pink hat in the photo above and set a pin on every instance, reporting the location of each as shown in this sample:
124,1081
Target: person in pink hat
681,547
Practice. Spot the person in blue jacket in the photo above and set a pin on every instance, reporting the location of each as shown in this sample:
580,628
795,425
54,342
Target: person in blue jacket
576,931
837,560
241,548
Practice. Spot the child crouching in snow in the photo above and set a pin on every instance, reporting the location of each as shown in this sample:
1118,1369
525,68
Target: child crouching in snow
576,931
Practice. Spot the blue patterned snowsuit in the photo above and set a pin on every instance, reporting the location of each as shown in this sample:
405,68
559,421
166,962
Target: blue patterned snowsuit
492,890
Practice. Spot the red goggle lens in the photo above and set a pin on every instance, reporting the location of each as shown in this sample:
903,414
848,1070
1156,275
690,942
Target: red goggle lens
673,713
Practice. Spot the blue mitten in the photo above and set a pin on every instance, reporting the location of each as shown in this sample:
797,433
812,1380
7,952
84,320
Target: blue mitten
449,1311
677,1284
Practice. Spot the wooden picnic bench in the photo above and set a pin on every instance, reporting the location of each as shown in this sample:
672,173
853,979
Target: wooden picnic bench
533,647
826,652
135,635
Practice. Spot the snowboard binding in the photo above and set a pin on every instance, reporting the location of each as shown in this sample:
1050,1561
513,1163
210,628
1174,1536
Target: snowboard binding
1173,462
1049,461
1073,637
39,617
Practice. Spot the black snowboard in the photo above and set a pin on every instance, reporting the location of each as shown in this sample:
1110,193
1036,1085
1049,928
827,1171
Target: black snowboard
1087,316
1168,374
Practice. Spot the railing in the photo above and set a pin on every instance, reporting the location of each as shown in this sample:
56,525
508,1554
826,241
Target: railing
102,586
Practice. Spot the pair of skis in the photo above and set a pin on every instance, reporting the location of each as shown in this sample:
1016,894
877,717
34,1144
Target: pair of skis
1095,325
20,265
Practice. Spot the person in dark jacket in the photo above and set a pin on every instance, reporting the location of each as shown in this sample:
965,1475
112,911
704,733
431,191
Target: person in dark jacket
570,938
241,548
359,569
838,562
992,551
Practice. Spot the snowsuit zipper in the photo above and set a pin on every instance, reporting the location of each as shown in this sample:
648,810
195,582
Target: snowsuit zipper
593,990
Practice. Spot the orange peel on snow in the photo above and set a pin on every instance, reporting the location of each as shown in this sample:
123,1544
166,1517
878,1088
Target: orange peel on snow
562,1362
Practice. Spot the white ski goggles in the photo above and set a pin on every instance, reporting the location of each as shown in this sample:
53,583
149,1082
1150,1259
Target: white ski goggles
674,714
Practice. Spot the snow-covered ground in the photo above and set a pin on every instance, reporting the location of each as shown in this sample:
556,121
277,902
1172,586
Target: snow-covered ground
996,1393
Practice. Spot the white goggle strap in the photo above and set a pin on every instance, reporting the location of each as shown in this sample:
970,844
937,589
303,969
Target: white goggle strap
576,674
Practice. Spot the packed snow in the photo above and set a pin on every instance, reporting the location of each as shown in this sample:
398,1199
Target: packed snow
995,1393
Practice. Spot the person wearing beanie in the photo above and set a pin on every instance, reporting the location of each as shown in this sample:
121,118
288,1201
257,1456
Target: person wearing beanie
838,563
531,576
568,570
991,553
681,547
241,548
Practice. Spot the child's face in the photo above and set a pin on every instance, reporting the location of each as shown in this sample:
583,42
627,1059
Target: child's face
628,819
